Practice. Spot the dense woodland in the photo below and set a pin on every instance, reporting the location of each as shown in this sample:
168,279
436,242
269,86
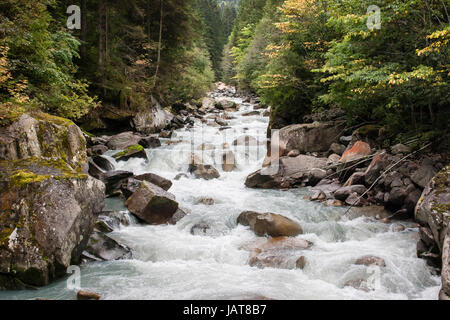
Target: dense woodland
300,56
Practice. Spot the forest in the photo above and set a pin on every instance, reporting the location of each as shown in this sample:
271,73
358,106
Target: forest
299,56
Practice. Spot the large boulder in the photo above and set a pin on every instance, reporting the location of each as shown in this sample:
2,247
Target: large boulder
288,172
311,137
151,120
47,137
433,208
152,204
48,213
114,180
433,211
155,179
123,140
271,224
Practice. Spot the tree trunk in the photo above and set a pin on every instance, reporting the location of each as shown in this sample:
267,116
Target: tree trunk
83,29
158,61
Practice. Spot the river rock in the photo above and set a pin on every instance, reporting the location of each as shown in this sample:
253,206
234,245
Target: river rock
114,180
371,261
379,163
107,249
135,151
207,172
48,213
152,204
97,150
311,137
344,192
205,200
289,172
150,142
123,140
152,119
278,252
155,179
424,173
40,135
178,215
228,161
94,170
271,224
433,209
337,148
358,151
87,295
103,163
251,113
400,149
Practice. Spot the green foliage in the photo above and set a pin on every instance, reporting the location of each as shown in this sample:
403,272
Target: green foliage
306,55
40,60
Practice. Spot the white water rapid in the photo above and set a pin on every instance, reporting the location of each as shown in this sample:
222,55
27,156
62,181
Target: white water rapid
171,263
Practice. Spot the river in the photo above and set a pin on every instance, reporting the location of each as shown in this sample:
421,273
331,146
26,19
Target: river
171,263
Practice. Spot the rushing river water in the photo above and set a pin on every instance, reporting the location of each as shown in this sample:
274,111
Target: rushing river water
171,263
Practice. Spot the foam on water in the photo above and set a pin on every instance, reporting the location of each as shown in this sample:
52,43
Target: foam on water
171,263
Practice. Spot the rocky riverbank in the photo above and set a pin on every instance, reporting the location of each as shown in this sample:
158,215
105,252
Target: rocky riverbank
55,178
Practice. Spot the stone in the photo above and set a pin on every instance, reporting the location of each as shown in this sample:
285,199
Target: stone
277,252
152,204
165,134
370,261
228,161
150,142
270,224
181,175
423,175
114,179
201,229
103,163
344,192
397,196
293,153
445,274
206,201
94,170
400,149
397,227
358,151
358,178
333,159
87,295
345,140
289,172
151,119
318,196
45,137
178,215
123,140
221,122
155,179
48,212
97,150
207,172
301,262
337,148
311,137
107,249
135,151
251,113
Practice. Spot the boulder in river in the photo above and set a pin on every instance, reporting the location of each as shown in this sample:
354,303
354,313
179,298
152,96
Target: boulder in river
155,179
344,192
228,161
105,248
103,163
152,204
278,252
135,151
270,224
123,140
150,142
114,180
370,261
288,172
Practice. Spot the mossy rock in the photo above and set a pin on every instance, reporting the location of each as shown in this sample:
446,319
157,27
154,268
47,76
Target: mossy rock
135,151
